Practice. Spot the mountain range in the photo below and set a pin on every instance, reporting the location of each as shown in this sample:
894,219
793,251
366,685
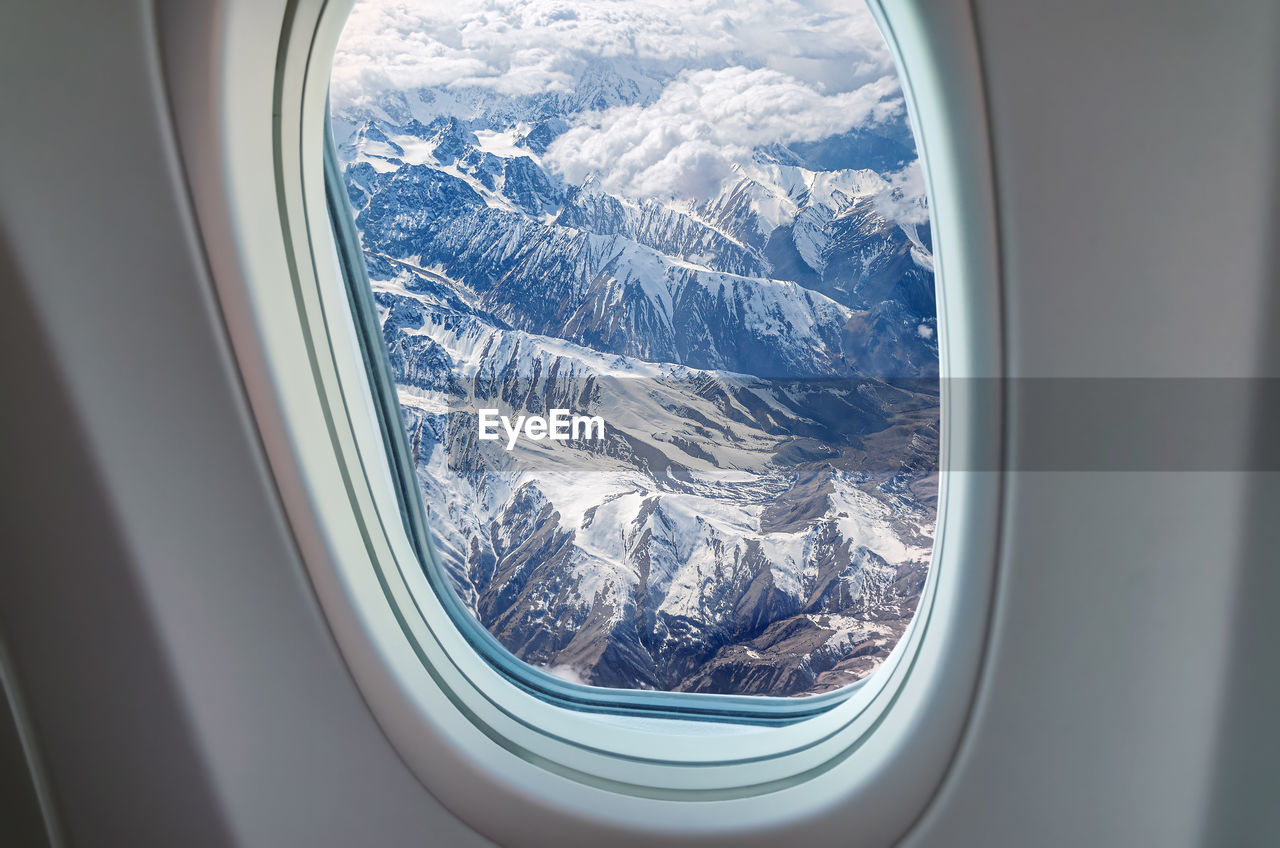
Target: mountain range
759,516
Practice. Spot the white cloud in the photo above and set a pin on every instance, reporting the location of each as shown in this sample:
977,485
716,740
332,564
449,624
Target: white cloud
566,672
742,73
687,141
527,46
904,199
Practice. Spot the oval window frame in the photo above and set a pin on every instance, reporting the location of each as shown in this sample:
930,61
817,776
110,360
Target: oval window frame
517,768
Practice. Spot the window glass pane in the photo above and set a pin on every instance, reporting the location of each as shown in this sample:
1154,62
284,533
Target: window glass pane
656,285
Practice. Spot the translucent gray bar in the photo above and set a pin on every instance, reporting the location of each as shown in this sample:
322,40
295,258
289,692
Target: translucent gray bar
680,422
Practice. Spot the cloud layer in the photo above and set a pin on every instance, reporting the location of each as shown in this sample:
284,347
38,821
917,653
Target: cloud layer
527,46
684,144
743,73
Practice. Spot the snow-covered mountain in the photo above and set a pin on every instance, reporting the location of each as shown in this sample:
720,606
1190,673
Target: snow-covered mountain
759,517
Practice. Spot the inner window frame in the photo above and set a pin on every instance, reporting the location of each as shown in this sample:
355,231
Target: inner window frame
698,706
694,706
442,706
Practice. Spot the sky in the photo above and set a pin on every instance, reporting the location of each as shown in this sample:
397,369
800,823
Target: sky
746,73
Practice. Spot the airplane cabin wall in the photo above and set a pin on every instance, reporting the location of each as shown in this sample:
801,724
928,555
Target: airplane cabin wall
181,686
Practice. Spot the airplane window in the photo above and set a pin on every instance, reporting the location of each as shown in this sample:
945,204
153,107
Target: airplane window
654,285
